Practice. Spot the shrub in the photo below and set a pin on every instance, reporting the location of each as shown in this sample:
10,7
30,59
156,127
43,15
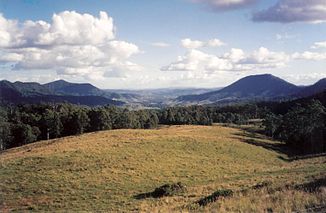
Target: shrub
215,196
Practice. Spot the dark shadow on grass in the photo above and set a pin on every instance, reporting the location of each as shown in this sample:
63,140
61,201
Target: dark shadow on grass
214,197
312,186
256,141
162,191
252,137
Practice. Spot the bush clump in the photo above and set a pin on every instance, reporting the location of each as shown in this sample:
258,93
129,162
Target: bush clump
215,196
165,190
168,190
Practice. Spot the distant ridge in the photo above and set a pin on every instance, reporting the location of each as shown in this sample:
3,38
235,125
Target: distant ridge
318,87
265,87
254,87
66,88
33,93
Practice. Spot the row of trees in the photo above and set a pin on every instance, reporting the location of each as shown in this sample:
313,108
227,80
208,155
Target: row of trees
303,127
28,123
25,124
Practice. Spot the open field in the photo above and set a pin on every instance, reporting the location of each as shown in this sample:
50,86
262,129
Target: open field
106,170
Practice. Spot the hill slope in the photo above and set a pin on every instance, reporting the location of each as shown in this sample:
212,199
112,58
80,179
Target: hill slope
33,93
67,88
261,87
318,87
105,170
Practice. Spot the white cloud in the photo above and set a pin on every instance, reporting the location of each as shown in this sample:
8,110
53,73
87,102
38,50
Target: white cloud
235,60
286,11
191,44
318,45
160,44
215,43
72,44
265,57
235,55
10,57
307,55
195,60
222,5
195,44
307,77
9,32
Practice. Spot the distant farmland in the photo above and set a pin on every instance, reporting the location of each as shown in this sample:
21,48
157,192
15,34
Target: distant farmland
107,170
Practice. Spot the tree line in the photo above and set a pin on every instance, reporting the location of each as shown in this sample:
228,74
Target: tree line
302,127
24,124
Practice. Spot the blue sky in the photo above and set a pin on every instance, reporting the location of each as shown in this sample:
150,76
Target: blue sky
162,43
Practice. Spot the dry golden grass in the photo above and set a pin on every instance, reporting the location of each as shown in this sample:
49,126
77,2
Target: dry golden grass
105,170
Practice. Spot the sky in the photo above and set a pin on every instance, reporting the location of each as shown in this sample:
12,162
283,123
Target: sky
137,44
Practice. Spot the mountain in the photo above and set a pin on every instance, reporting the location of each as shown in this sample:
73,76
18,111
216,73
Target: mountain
318,87
254,87
67,88
251,88
33,93
26,89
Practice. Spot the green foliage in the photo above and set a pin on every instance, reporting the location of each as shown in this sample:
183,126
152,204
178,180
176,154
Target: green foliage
5,135
272,123
23,134
185,115
27,123
99,119
303,127
51,124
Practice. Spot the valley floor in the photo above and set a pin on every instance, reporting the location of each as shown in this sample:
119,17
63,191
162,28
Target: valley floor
105,171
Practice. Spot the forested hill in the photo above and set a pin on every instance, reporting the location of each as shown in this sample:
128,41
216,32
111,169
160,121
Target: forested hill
67,88
313,89
256,88
33,93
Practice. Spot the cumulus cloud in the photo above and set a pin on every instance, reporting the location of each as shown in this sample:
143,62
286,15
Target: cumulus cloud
307,55
318,45
222,5
195,44
266,59
286,11
72,44
307,77
195,60
316,55
235,60
160,44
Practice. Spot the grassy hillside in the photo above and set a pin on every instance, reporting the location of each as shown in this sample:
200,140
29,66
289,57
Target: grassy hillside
106,170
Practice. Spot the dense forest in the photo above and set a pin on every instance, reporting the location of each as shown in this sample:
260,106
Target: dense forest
301,126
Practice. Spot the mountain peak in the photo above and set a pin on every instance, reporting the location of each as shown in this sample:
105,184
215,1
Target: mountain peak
78,89
263,77
261,84
60,81
253,87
